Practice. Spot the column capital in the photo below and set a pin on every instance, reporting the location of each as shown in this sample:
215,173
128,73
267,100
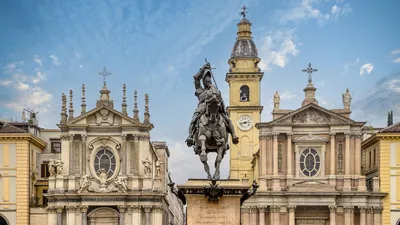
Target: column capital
122,208
147,208
332,208
59,209
253,209
136,208
71,208
123,136
357,135
245,209
348,209
377,209
289,134
275,134
332,134
50,209
84,208
370,210
71,137
264,136
291,208
262,209
158,209
363,209
275,208
84,137
347,134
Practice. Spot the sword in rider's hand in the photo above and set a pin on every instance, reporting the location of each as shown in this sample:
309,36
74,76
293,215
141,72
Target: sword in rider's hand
211,73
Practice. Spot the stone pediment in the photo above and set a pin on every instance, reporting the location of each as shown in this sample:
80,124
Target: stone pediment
105,116
310,138
311,114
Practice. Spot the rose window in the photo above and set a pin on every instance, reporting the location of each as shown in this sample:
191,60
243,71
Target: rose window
310,162
105,159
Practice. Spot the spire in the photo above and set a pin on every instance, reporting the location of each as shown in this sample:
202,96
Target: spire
83,100
135,107
71,105
390,118
124,100
104,92
309,91
146,109
63,108
244,26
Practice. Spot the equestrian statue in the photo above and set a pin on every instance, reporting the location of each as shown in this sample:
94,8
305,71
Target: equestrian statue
210,125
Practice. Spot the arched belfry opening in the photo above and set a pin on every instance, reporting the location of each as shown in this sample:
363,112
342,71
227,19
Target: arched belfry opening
244,93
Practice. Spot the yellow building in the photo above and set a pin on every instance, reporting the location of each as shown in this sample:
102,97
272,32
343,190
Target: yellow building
18,150
244,79
381,166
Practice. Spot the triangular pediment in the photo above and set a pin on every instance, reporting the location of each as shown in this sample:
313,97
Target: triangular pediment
312,114
310,138
104,115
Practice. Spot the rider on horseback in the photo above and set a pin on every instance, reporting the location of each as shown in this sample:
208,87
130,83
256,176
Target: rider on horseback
203,94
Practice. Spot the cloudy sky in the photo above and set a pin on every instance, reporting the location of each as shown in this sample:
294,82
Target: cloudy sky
48,47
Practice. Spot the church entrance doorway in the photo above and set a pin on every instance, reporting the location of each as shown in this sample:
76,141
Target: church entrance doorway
103,216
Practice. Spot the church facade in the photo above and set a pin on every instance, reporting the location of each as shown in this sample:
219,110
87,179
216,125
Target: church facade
307,161
99,167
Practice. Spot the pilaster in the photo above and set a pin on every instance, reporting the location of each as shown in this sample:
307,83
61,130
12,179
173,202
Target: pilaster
147,210
122,209
348,214
84,154
70,215
275,217
136,215
245,211
347,178
332,168
276,186
84,210
292,210
332,215
59,215
363,218
377,215
289,163
124,155
261,214
253,215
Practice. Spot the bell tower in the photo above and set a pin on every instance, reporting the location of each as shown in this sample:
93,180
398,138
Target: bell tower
244,109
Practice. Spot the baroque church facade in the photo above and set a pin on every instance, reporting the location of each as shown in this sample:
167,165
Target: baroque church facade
308,161
99,167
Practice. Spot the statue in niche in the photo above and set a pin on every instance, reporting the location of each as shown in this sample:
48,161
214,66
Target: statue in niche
277,100
158,167
121,183
147,166
346,99
103,177
84,182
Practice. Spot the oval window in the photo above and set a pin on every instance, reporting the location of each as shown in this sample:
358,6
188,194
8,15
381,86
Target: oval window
105,159
310,162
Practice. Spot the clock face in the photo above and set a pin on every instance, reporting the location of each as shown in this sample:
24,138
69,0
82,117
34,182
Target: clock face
245,123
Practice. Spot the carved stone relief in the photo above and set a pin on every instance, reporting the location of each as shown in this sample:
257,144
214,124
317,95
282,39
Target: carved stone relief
310,116
104,116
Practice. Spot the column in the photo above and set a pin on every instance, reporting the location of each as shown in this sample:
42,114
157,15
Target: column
333,155
158,215
291,210
59,215
275,211
136,215
253,215
124,155
363,219
84,209
357,170
347,154
261,215
245,217
377,215
71,215
348,214
122,209
332,215
51,215
263,155
370,216
147,210
289,163
71,154
275,154
84,156
78,215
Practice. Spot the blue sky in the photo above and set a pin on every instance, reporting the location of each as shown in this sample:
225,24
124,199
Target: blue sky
48,47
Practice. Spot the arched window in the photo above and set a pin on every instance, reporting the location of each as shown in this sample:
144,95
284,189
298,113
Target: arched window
3,220
244,93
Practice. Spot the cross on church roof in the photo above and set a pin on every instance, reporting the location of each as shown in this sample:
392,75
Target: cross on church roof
243,12
104,73
309,70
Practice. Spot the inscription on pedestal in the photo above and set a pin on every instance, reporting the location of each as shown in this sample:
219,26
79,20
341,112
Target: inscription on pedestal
201,211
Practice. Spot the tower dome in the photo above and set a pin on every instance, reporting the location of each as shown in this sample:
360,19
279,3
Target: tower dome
244,46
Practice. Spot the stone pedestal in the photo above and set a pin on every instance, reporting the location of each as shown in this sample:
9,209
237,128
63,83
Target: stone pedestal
147,184
60,183
202,211
52,183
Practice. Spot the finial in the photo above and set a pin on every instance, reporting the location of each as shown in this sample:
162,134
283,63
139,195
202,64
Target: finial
146,109
135,107
63,108
71,105
104,73
83,100
243,12
309,70
124,100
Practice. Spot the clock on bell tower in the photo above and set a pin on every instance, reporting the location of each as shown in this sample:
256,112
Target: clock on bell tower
244,108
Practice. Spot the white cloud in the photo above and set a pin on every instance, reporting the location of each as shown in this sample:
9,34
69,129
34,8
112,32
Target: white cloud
80,66
366,69
287,95
395,52
78,56
22,86
37,60
39,77
34,98
276,49
394,85
55,60
396,60
5,82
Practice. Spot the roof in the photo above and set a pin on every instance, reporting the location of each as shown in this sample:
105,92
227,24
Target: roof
244,48
9,128
395,128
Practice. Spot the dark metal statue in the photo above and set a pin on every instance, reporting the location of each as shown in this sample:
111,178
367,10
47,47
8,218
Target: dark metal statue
213,192
252,191
177,192
210,125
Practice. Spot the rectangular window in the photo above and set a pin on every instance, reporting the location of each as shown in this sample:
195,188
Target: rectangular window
369,160
44,198
55,147
374,155
44,170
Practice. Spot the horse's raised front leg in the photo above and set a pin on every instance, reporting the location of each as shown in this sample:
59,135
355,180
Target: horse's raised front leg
218,162
203,155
